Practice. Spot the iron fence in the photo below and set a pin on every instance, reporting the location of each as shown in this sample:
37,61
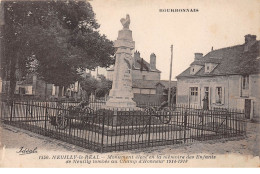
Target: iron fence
105,130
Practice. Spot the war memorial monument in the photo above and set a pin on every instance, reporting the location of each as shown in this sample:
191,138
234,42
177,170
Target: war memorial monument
121,94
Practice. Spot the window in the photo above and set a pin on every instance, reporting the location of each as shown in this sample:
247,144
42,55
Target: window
193,94
194,69
207,68
245,82
219,95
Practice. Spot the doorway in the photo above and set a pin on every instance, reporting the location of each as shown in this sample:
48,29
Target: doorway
206,98
247,108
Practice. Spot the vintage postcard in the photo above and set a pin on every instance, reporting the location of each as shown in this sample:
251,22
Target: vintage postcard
129,84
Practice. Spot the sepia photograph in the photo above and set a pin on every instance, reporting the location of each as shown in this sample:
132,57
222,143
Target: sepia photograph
129,84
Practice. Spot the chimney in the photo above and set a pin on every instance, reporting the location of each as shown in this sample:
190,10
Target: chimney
153,61
136,57
250,38
198,56
249,41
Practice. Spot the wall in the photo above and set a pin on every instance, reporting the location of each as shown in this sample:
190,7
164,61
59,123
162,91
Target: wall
182,92
232,91
230,86
149,98
137,74
254,93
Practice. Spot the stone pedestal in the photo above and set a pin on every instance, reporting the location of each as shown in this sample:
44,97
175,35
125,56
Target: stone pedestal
121,94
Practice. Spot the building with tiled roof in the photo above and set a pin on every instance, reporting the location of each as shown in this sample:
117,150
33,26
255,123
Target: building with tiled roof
147,85
153,91
226,78
141,69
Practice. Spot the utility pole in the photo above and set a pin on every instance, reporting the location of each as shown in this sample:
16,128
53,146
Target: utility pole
97,71
169,92
2,23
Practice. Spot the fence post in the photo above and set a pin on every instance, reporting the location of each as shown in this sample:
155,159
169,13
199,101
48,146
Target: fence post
26,110
244,127
11,116
114,118
213,121
45,118
31,110
103,131
149,130
69,121
185,124
202,123
226,127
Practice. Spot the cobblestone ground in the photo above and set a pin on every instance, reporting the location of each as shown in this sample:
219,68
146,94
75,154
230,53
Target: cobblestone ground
12,139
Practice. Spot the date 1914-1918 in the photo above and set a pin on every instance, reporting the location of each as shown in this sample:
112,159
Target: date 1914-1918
176,161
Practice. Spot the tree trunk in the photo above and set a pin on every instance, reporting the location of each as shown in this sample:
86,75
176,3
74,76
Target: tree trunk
12,78
45,92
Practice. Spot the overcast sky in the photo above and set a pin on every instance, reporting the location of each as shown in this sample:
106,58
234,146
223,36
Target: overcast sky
219,24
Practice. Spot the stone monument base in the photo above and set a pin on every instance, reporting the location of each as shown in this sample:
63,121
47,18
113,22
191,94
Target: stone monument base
120,104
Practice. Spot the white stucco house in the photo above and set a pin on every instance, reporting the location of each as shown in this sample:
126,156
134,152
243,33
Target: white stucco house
229,77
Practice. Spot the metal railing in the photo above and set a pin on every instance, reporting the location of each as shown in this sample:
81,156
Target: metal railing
105,130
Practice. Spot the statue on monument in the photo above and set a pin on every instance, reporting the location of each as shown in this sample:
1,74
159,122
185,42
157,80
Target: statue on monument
125,22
